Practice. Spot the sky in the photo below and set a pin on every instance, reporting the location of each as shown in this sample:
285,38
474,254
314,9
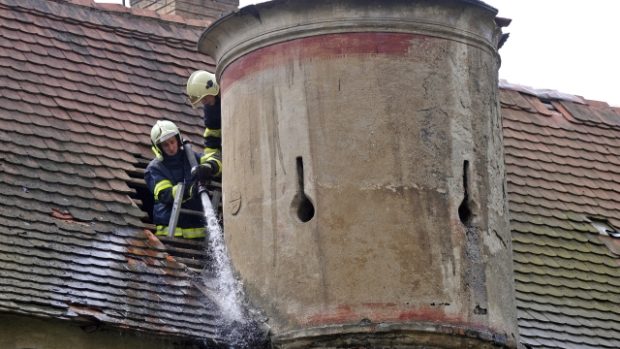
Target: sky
571,46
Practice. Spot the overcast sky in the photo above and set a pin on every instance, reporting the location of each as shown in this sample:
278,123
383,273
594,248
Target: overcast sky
567,45
571,46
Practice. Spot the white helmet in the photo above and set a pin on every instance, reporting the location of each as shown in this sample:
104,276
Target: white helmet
200,84
161,132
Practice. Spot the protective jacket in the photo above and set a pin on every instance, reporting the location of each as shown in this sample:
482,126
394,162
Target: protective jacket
213,136
162,176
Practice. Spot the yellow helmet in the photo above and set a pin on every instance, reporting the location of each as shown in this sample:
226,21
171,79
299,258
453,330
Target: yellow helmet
200,84
162,131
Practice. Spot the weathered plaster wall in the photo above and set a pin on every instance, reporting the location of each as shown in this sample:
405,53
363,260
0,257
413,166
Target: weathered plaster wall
19,332
384,115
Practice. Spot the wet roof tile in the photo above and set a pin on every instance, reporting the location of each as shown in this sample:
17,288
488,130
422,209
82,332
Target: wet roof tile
563,165
81,88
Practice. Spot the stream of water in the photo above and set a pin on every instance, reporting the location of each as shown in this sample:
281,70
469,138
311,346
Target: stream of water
236,325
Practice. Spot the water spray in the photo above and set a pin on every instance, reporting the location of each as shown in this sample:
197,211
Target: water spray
219,283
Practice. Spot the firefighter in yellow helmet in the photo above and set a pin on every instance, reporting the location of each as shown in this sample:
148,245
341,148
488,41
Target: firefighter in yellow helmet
163,176
203,89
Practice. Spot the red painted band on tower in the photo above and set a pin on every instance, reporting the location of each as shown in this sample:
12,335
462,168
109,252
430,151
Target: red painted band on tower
318,47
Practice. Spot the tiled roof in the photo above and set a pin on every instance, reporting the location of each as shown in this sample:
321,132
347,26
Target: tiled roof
563,172
81,86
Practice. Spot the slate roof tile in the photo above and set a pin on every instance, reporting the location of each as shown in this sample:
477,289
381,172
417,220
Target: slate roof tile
591,114
601,280
591,315
538,105
563,165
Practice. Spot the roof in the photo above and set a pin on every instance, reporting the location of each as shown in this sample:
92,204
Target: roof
81,87
563,170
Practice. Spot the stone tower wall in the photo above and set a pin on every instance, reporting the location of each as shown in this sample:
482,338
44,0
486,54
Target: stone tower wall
364,177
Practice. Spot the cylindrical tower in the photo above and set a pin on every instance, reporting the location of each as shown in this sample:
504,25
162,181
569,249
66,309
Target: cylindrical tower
364,185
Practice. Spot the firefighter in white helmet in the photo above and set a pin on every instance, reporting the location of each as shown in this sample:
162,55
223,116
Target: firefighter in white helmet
163,176
203,89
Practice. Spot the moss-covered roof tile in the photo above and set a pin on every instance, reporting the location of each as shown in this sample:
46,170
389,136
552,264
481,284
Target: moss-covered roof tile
562,171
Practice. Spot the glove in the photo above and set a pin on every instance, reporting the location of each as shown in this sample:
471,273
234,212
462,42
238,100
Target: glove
202,172
167,196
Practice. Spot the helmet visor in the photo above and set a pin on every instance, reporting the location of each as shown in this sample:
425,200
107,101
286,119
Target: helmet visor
166,136
194,100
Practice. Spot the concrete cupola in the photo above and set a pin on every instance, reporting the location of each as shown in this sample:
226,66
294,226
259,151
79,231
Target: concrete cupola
364,190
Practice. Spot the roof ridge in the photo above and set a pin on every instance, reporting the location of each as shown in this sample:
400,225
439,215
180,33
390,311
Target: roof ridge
45,9
547,94
137,11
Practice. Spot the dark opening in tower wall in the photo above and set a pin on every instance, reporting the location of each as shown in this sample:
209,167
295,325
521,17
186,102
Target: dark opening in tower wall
305,208
464,209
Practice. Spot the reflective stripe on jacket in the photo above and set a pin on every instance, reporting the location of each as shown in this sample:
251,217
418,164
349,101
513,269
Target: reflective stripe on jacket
188,233
161,177
213,136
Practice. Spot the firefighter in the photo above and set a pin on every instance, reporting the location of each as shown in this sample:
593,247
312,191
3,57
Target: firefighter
203,89
165,172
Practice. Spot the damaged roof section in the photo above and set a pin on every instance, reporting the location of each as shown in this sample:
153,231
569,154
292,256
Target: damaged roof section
81,87
563,171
